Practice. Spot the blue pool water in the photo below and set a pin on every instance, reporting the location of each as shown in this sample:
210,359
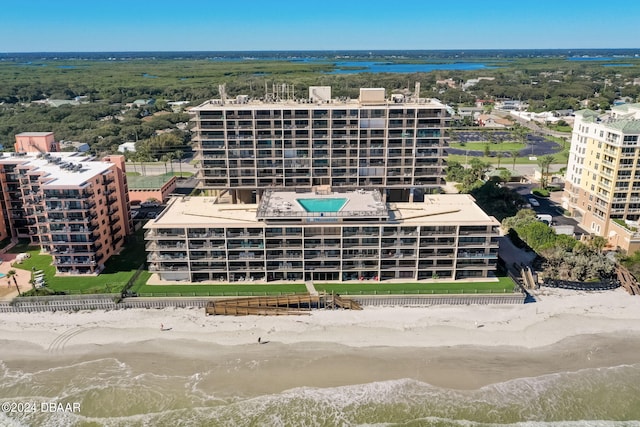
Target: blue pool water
2,275
322,205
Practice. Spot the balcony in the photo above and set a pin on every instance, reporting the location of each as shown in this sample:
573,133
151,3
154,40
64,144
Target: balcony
71,262
153,234
166,268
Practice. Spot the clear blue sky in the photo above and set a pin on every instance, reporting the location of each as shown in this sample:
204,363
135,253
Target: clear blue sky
209,25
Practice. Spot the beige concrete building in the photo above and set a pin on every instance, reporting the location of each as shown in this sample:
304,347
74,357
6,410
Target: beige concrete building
395,145
603,174
144,188
325,235
74,207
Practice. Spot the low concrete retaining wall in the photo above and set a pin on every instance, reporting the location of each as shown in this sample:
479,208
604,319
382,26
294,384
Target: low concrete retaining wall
419,300
61,303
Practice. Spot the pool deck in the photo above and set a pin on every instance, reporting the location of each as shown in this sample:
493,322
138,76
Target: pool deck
315,204
278,204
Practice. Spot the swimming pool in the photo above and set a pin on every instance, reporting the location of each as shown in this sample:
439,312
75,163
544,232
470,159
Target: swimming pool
322,205
2,275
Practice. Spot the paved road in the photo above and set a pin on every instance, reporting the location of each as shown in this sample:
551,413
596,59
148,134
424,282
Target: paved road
533,125
548,206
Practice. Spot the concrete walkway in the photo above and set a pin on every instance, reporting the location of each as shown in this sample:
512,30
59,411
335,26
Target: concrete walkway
310,288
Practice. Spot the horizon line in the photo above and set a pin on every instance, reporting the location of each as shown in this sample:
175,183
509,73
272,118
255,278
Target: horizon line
324,50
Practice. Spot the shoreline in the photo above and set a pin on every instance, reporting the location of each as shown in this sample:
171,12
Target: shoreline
253,370
459,347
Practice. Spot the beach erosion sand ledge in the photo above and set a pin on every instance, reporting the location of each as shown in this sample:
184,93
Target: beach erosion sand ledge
462,347
252,370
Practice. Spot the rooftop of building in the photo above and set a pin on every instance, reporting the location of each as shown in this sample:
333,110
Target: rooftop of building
623,118
155,182
62,170
318,97
217,104
34,133
442,209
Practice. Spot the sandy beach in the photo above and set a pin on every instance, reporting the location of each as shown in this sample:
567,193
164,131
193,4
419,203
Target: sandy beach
462,347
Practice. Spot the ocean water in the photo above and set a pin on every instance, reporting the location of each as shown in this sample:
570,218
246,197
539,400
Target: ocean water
110,393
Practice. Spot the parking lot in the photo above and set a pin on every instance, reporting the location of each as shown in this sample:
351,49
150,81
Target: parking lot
546,206
536,145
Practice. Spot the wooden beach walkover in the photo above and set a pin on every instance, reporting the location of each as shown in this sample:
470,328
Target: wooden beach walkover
279,305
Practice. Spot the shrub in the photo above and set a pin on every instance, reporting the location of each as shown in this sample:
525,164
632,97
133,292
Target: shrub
540,192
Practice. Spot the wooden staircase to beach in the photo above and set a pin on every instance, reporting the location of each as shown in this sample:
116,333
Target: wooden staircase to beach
294,304
628,282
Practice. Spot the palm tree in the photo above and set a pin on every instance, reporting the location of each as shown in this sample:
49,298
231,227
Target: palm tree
545,163
520,133
11,274
130,157
170,155
514,156
499,157
179,154
165,159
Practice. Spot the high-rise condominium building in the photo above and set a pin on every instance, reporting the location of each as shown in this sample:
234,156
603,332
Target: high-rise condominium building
396,145
323,189
74,207
334,236
603,174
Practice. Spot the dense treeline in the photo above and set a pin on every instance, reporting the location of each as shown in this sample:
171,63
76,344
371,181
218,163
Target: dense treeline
550,83
564,258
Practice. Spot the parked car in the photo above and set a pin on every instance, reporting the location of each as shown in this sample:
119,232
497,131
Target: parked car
150,204
152,215
533,202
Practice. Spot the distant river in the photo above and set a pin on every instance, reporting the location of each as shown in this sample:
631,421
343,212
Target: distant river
355,67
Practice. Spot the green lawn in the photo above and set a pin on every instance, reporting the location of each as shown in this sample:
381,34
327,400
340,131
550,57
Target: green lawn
503,285
561,156
504,162
480,146
187,290
557,128
115,276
